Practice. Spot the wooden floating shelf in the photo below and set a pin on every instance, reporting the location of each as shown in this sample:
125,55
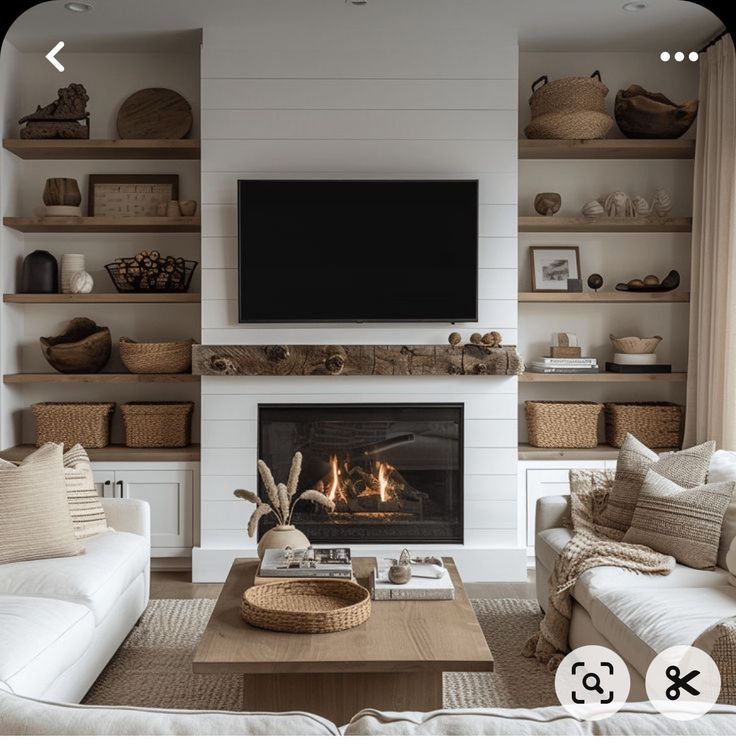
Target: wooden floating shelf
604,377
606,149
104,149
102,298
116,453
104,224
56,377
601,453
541,224
604,297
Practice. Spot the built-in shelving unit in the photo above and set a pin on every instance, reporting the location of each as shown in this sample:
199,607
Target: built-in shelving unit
607,149
104,149
604,297
604,377
540,224
101,377
104,224
117,453
102,298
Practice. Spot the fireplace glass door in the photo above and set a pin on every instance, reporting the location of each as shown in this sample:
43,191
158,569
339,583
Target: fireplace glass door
394,471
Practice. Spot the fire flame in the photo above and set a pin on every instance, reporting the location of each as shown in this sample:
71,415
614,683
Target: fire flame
383,472
335,489
378,483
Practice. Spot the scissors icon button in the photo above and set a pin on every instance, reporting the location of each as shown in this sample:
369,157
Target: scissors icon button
673,691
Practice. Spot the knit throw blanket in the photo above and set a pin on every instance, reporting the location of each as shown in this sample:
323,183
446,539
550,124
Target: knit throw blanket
585,550
719,642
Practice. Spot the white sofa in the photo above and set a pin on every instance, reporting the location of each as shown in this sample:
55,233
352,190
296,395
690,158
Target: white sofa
62,619
636,615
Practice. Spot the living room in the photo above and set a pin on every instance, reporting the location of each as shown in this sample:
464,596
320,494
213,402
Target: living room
344,345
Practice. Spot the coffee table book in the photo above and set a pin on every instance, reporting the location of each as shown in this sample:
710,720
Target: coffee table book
310,563
416,589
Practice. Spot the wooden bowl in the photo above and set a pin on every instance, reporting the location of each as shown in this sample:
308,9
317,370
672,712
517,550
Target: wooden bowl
633,344
83,348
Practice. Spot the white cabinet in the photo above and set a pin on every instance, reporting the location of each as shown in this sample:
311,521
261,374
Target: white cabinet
170,490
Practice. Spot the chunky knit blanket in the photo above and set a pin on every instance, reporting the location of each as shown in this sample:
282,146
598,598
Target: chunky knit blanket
585,550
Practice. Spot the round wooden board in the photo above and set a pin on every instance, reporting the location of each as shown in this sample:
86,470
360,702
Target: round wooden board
155,114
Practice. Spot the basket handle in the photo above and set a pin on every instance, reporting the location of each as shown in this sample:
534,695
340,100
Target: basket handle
596,75
543,79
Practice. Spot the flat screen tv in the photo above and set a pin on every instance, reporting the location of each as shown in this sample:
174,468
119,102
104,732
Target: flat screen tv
358,251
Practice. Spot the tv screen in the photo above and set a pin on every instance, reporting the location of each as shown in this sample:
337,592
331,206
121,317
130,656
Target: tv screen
358,251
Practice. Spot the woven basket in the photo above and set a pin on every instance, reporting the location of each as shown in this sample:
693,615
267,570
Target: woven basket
156,358
162,424
563,424
657,425
70,423
306,606
569,108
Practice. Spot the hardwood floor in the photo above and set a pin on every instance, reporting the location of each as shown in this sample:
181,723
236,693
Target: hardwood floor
171,585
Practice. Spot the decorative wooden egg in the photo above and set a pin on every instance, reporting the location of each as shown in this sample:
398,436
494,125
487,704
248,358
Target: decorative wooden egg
81,282
635,283
595,281
651,280
593,209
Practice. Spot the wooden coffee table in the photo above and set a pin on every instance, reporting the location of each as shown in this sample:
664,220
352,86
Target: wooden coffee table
394,661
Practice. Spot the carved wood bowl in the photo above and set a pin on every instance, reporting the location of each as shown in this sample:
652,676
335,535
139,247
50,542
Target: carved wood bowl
83,348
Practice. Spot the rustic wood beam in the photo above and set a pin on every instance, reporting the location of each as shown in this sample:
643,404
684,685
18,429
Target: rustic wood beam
305,360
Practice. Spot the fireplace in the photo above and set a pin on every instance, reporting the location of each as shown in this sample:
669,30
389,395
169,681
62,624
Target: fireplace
394,471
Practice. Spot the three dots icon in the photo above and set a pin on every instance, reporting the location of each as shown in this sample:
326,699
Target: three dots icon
679,56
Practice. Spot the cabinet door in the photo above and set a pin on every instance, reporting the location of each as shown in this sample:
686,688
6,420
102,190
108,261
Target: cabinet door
104,481
170,495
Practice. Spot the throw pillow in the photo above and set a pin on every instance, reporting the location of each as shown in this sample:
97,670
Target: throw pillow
684,523
589,492
34,515
688,468
88,515
723,469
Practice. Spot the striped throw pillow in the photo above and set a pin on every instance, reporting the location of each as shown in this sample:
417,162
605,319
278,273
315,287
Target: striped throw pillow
88,515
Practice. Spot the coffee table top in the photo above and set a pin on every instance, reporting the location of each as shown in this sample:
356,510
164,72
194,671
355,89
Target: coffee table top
417,636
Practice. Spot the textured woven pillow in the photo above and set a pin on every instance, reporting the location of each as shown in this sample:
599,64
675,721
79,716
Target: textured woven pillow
589,493
88,515
688,468
34,514
684,523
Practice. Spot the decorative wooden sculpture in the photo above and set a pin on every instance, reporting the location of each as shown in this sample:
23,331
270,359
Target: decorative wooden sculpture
619,204
61,118
155,114
547,204
593,209
669,283
83,348
662,203
454,339
650,115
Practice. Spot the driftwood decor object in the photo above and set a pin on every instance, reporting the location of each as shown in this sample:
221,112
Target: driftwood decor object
155,114
83,348
61,118
650,115
547,203
283,360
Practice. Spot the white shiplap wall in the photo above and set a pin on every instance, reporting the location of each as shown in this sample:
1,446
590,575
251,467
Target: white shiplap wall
300,113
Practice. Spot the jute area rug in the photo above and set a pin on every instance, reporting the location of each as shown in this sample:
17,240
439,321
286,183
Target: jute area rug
153,667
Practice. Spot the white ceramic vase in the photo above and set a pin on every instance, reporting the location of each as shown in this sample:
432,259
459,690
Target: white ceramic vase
71,264
280,537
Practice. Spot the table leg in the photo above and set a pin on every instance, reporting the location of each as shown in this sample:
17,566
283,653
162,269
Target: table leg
338,696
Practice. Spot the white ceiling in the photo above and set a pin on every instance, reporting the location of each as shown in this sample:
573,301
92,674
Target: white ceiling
541,25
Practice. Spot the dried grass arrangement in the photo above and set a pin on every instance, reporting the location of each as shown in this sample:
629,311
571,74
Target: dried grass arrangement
281,503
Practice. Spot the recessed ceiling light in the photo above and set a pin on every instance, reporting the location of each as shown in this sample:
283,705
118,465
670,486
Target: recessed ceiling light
78,7
637,5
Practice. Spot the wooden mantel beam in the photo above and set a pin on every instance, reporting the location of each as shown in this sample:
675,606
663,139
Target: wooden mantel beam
309,360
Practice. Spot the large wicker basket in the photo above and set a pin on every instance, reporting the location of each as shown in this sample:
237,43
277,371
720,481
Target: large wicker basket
162,424
70,423
563,424
173,357
657,425
306,606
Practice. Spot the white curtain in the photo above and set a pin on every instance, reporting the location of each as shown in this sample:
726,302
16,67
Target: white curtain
711,383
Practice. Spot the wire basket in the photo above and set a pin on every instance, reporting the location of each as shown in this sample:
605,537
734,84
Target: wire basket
563,424
149,271
70,423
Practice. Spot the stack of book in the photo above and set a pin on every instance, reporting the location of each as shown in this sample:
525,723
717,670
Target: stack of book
551,365
307,563
426,583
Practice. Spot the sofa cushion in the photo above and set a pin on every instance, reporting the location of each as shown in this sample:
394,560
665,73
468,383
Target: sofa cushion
96,579
723,469
640,623
39,639
684,523
28,717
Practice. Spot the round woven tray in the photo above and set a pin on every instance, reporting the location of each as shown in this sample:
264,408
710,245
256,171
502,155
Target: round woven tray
306,606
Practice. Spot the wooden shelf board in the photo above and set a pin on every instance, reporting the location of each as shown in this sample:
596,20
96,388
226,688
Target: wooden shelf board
56,377
102,298
606,149
104,149
601,453
603,297
117,453
539,224
104,224
604,377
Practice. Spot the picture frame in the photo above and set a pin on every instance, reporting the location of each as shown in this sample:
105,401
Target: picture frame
130,194
553,266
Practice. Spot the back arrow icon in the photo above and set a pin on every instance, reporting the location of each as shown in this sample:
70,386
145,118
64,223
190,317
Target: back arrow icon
51,56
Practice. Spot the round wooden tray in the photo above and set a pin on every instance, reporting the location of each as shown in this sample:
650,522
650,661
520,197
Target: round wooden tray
306,606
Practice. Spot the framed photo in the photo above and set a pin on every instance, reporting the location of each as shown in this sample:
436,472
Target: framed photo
553,266
130,195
